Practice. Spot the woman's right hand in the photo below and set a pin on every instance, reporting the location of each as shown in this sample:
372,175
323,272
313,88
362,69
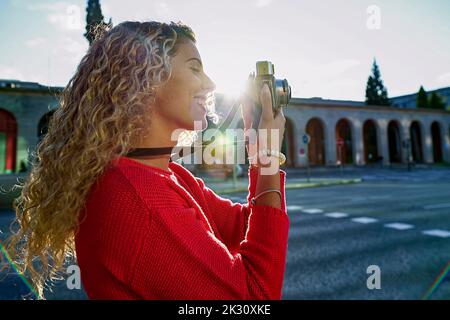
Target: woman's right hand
268,123
272,123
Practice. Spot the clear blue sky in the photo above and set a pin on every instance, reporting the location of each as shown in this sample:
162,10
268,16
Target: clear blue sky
324,48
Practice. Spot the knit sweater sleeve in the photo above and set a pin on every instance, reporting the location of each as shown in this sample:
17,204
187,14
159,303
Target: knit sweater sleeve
133,243
181,259
232,218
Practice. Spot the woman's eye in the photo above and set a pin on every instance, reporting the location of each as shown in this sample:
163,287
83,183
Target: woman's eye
195,70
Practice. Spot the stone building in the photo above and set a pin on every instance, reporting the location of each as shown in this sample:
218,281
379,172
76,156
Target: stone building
409,100
353,133
346,132
25,108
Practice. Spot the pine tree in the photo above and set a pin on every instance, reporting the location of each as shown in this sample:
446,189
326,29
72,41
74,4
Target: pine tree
376,93
422,98
436,102
94,17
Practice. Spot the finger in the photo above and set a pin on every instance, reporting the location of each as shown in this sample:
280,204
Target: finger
266,102
247,110
279,114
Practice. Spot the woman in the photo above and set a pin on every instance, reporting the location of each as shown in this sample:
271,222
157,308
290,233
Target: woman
146,228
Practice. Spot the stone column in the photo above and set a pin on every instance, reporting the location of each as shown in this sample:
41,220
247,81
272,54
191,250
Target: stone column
358,143
427,143
383,141
445,138
330,142
404,134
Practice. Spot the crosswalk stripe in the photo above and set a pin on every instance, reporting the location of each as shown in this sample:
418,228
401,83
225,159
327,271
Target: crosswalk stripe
437,206
294,208
312,211
364,220
399,226
336,215
437,233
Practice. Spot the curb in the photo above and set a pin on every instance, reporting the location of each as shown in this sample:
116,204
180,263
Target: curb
295,185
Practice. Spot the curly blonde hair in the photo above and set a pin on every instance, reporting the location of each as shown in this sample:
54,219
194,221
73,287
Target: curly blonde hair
102,111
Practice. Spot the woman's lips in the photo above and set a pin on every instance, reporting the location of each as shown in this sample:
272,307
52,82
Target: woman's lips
201,101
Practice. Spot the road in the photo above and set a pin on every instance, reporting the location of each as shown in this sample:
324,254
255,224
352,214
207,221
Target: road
396,220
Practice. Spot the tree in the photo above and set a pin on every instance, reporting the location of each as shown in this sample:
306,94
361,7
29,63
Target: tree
422,98
376,93
94,17
436,102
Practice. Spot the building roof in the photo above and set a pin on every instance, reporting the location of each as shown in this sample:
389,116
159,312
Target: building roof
318,100
440,90
16,85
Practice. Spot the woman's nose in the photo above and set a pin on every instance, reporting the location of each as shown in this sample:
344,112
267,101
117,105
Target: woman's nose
209,84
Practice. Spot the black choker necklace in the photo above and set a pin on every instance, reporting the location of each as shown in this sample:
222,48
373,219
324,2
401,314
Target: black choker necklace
139,152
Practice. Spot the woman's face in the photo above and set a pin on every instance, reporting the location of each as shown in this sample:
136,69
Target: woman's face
181,100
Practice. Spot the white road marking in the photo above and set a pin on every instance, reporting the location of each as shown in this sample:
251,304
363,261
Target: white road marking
237,199
399,226
336,215
437,206
312,211
294,208
364,220
357,199
437,233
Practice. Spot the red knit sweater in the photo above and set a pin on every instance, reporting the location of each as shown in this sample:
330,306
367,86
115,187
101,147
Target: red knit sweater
148,233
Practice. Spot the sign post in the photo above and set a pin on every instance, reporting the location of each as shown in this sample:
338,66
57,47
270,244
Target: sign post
407,146
340,143
306,140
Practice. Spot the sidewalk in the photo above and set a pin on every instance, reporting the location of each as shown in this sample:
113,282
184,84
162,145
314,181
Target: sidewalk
227,186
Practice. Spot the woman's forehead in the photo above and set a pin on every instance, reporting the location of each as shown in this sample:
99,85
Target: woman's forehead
188,50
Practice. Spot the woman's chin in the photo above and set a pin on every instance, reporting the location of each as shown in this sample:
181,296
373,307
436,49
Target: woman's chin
199,121
199,124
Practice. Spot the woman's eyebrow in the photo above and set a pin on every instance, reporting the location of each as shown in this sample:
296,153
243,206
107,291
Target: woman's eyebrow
195,59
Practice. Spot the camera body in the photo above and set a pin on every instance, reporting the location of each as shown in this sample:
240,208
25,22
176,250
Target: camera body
280,89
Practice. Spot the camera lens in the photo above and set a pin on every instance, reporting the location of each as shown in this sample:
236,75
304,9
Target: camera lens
283,91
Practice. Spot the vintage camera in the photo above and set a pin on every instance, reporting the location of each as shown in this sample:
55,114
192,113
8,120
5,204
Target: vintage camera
280,89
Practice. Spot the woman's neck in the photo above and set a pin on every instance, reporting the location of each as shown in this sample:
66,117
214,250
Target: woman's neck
159,136
161,161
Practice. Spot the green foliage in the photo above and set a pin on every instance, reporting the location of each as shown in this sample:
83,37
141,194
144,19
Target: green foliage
376,93
436,102
422,98
94,17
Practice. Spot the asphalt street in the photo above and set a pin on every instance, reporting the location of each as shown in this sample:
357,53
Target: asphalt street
395,219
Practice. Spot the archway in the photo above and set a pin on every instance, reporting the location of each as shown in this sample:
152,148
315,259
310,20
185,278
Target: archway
394,139
370,142
416,142
43,125
8,142
437,141
316,147
344,132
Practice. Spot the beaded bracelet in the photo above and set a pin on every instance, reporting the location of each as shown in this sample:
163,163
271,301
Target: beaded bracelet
253,200
269,153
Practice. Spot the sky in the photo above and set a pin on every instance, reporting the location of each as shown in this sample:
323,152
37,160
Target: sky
324,48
